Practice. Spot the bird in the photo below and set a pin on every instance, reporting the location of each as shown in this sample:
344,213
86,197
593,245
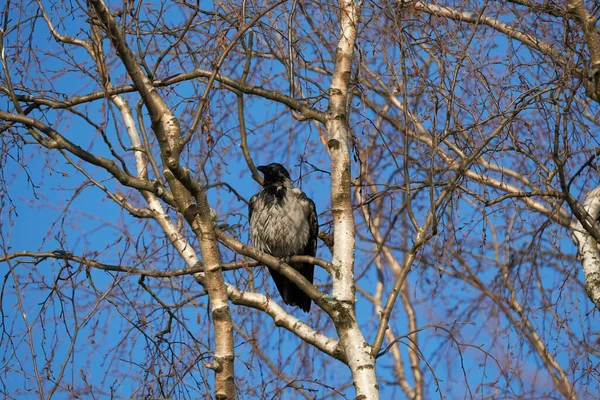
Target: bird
284,223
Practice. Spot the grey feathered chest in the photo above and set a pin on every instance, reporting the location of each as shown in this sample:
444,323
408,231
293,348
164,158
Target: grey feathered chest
279,223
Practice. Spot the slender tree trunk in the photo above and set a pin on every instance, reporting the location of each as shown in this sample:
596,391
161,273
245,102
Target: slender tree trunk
191,201
358,352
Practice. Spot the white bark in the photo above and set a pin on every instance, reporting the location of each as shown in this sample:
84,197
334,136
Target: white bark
588,247
141,162
283,319
358,352
190,199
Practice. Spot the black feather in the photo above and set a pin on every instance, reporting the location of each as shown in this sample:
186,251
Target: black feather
283,223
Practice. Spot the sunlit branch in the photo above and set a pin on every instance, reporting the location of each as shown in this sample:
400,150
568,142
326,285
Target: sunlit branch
217,67
276,264
56,140
471,17
297,105
118,198
373,225
275,370
587,23
522,322
559,215
426,229
545,7
285,320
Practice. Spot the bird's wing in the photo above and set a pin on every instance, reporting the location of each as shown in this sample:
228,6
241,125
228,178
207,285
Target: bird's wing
251,207
313,225
295,295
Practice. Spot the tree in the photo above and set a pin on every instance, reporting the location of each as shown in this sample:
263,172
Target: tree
450,150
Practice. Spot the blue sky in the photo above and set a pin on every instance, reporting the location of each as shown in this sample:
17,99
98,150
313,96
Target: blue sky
118,341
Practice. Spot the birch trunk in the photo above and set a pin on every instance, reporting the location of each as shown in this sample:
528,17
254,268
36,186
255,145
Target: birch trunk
588,247
358,352
190,199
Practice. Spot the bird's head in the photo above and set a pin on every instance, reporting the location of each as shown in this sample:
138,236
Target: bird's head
274,173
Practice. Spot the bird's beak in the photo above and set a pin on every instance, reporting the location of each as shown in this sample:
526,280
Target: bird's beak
262,168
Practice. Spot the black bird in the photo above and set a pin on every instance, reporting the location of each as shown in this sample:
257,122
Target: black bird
283,223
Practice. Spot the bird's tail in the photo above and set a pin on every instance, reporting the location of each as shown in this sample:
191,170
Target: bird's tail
290,293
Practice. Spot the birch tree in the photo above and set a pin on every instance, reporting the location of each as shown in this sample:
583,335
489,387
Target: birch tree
450,147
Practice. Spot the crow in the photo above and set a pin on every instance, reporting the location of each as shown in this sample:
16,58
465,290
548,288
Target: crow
283,223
